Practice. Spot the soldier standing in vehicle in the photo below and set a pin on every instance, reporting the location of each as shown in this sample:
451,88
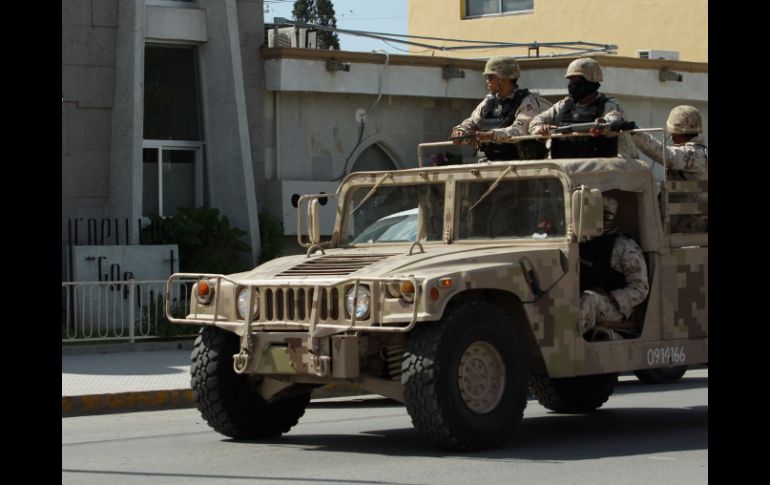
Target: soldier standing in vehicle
504,113
613,274
583,105
687,160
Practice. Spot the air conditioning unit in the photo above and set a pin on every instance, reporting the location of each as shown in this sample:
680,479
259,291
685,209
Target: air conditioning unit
658,54
282,37
282,198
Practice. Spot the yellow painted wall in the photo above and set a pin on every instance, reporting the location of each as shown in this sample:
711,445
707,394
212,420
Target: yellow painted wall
674,25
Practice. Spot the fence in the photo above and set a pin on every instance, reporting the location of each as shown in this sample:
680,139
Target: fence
127,310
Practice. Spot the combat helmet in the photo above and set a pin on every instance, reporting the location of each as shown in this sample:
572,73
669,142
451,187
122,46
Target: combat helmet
586,67
505,67
684,120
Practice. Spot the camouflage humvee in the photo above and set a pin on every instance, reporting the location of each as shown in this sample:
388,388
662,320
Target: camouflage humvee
454,290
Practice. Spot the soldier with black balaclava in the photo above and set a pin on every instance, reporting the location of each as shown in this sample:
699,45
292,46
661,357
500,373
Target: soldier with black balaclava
613,274
504,113
585,104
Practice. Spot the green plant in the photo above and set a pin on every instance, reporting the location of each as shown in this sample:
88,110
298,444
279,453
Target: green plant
271,236
207,242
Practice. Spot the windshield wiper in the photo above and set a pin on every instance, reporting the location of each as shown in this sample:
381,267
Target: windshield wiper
372,191
492,187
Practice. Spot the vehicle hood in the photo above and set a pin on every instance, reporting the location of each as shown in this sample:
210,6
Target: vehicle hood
349,263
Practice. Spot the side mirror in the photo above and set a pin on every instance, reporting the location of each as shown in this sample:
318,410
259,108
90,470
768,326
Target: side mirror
587,213
313,221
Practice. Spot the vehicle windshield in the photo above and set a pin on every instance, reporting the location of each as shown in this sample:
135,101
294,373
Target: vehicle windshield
517,208
390,213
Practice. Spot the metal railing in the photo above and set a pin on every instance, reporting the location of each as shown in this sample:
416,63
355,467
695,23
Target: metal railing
121,310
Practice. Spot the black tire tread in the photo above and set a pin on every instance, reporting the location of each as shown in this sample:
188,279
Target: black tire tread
224,398
425,398
573,394
661,376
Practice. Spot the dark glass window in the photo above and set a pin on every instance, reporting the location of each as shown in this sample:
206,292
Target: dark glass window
171,108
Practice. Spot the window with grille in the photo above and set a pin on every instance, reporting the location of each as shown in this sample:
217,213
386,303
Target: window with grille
474,8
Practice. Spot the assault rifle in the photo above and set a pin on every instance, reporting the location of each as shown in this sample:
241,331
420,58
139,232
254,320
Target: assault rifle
586,127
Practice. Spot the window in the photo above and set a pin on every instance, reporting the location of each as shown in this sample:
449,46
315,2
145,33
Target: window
171,93
172,168
172,174
391,213
521,208
474,8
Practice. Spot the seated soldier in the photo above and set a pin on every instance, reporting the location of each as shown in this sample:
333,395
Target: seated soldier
613,275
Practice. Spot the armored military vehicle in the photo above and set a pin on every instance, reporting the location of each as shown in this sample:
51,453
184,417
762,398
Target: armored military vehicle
455,290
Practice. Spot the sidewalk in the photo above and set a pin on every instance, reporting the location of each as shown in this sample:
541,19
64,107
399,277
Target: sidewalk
141,377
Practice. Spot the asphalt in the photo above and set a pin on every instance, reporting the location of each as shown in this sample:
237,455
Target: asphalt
119,378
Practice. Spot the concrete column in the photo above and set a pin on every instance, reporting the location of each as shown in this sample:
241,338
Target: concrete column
230,170
127,116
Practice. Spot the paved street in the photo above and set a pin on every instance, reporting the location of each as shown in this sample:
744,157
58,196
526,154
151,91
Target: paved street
644,434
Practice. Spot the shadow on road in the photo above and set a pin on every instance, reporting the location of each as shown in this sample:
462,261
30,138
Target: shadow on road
635,386
613,432
623,387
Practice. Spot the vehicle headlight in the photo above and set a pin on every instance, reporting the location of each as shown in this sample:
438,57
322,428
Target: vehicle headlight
362,305
243,303
204,291
407,290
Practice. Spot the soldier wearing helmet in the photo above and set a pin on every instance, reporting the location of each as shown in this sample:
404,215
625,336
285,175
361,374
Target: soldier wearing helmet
583,105
613,275
687,160
504,113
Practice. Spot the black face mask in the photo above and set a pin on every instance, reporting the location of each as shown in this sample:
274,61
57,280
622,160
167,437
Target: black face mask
581,88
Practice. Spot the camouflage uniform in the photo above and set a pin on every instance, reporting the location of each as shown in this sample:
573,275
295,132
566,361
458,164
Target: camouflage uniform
528,109
626,258
612,113
686,161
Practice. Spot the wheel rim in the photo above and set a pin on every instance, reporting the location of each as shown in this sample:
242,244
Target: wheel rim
481,377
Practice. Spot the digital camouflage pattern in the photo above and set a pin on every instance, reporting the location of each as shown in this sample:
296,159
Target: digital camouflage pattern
303,336
586,67
528,109
686,162
684,120
627,258
505,67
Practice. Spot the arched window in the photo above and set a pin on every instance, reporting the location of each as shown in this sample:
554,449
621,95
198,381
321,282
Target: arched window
373,158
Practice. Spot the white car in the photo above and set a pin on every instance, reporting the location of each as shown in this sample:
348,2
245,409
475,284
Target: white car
401,226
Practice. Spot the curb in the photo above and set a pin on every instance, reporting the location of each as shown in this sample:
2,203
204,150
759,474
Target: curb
130,402
125,402
108,348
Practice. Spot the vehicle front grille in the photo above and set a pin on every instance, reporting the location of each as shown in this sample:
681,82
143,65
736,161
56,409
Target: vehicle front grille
295,304
333,265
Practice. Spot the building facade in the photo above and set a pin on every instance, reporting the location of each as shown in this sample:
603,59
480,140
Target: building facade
170,104
161,109
315,102
632,25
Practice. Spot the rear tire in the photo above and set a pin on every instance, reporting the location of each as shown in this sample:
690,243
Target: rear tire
228,401
465,378
662,375
573,394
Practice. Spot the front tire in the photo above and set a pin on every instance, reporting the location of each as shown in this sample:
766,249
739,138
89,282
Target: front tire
662,375
573,394
465,378
227,401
